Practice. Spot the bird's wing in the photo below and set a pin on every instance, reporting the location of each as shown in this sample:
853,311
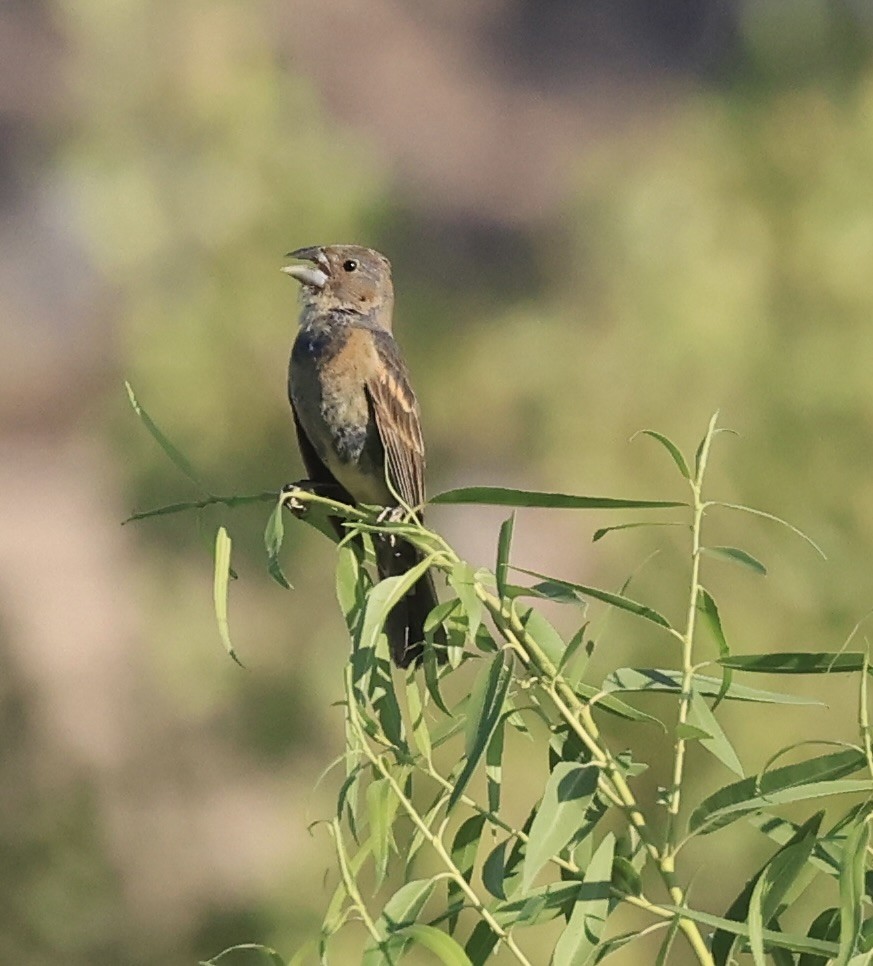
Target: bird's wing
397,419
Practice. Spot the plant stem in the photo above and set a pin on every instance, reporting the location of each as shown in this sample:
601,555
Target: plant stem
351,885
434,840
685,695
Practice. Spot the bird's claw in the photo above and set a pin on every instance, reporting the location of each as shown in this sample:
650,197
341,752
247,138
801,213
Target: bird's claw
290,500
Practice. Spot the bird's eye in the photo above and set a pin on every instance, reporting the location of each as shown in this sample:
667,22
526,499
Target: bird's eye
350,265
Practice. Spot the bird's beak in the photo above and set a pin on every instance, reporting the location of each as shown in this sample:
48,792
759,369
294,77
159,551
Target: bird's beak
312,277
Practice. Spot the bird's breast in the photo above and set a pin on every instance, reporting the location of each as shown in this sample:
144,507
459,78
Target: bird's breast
328,377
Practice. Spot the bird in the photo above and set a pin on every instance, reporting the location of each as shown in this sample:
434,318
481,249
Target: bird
357,418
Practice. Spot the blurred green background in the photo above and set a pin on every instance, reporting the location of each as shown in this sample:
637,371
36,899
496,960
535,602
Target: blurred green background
603,217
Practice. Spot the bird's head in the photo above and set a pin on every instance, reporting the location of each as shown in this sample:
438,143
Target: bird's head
350,278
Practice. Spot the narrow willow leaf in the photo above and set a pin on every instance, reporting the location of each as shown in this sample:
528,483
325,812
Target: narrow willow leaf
615,706
481,944
505,496
691,732
794,941
775,519
483,714
536,625
382,807
709,609
463,579
826,926
501,873
736,555
580,939
807,779
603,531
504,545
219,589
268,954
773,882
384,596
274,534
797,662
303,955
494,763
703,444
414,703
852,869
671,448
335,915
403,908
442,946
616,600
539,905
418,838
175,456
716,741
464,848
670,681
567,795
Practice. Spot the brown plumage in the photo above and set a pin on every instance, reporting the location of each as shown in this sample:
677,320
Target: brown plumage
356,415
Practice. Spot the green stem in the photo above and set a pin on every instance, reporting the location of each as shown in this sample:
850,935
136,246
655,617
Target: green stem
434,840
351,886
685,695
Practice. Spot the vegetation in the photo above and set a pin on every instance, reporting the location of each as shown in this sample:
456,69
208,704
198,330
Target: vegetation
428,854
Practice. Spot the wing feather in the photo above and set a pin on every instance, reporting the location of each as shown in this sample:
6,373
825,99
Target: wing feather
398,420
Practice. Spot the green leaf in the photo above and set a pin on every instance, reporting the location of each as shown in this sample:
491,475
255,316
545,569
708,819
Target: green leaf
536,625
709,609
335,916
715,741
852,869
813,778
671,448
219,589
270,955
414,703
481,943
826,926
793,941
539,905
464,848
494,762
797,662
690,732
404,907
303,954
483,713
566,798
175,456
669,681
382,807
505,496
603,531
274,534
504,545
773,883
384,596
580,939
775,519
463,579
616,600
441,945
736,555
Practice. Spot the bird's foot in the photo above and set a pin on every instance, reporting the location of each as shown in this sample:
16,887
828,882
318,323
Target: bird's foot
290,499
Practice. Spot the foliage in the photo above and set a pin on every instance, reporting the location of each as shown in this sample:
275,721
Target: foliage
425,851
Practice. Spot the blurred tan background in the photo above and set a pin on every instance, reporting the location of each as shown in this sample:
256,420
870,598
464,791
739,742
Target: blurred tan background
603,217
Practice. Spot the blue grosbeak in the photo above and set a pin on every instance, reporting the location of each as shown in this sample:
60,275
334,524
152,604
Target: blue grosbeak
356,415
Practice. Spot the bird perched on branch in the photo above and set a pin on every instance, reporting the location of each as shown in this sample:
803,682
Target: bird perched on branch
356,415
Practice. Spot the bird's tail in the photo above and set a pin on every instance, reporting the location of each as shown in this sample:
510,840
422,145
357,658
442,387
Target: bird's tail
405,623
